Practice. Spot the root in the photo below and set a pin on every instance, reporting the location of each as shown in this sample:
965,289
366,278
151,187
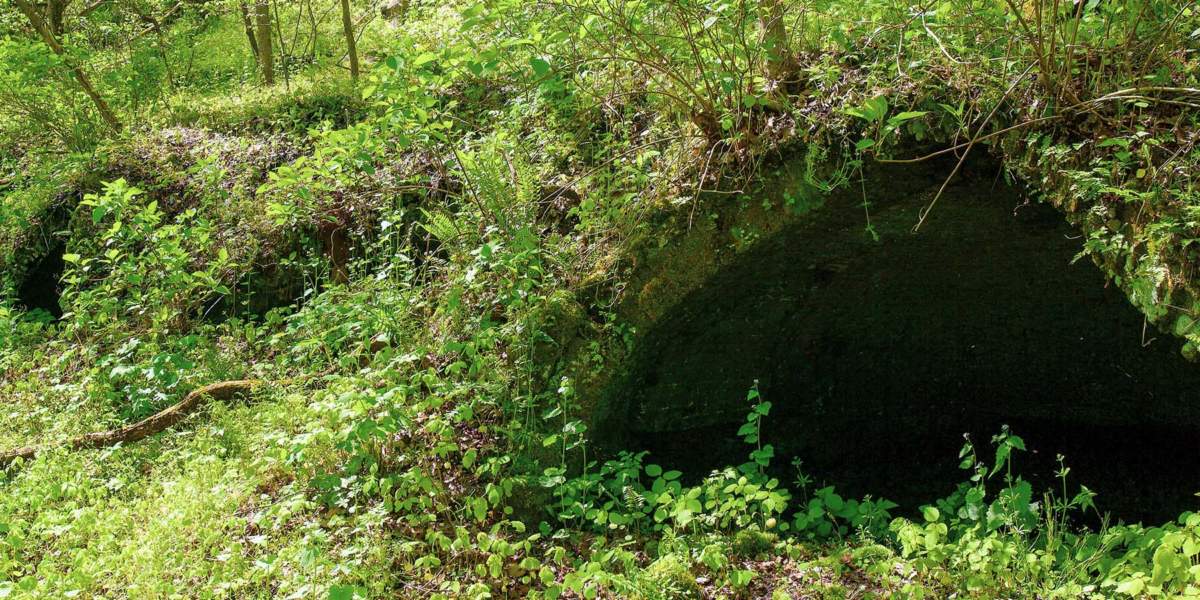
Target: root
146,427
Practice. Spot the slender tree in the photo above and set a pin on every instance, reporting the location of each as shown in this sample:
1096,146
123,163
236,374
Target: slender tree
262,22
43,28
351,45
284,54
248,25
781,65
56,12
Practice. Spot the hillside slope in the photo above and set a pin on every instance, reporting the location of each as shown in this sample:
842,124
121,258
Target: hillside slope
469,289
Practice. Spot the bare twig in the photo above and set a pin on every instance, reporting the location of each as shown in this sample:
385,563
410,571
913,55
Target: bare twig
967,151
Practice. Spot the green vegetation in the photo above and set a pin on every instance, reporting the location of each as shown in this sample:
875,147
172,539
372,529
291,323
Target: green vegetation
435,246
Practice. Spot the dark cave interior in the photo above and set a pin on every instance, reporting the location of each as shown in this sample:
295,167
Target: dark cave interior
880,354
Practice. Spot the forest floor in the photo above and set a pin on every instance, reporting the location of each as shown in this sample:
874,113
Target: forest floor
462,296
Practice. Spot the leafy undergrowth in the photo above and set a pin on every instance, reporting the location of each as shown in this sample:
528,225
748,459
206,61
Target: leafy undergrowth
430,272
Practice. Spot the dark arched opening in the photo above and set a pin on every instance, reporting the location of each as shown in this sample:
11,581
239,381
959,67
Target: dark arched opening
42,287
879,353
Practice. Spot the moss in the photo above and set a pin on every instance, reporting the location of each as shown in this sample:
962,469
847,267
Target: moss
666,273
561,320
671,579
750,543
307,103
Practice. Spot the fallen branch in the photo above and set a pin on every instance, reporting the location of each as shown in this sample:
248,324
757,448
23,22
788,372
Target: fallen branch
146,427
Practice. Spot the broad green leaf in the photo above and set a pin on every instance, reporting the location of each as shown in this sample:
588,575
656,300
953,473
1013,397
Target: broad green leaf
540,66
906,116
931,513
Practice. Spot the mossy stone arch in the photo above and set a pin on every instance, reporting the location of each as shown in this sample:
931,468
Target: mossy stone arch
880,347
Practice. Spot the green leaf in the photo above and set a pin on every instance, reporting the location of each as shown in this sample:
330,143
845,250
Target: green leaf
801,521
872,110
1191,547
540,66
878,107
834,502
906,116
1132,587
1122,142
931,514
741,578
479,509
1002,453
654,470
342,592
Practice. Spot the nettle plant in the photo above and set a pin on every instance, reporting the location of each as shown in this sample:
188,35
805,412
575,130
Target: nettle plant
138,283
1006,538
143,376
626,494
139,271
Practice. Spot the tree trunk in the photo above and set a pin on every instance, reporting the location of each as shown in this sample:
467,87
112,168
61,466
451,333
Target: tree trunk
262,20
336,245
50,40
351,46
781,65
56,11
249,27
311,47
283,49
